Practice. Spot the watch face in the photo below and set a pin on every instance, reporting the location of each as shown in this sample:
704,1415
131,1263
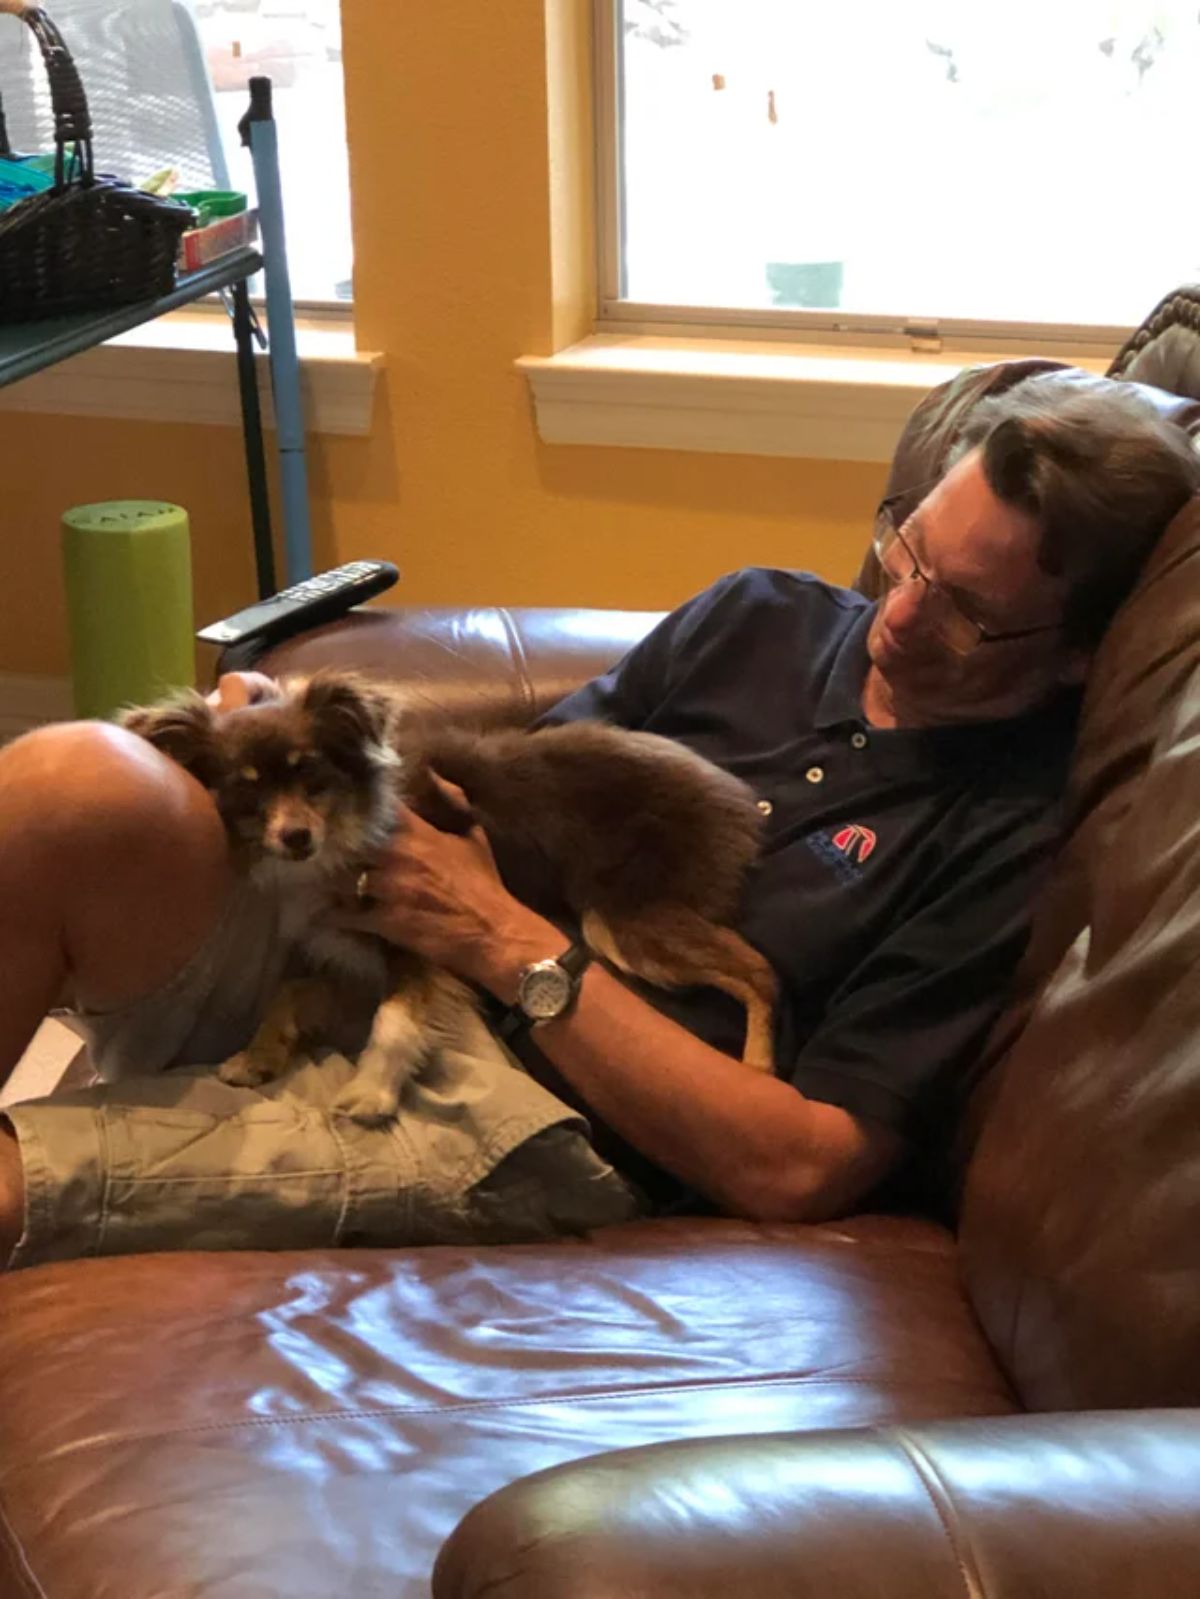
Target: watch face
545,991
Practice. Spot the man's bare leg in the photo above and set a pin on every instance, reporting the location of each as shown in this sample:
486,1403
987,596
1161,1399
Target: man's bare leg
12,1194
113,870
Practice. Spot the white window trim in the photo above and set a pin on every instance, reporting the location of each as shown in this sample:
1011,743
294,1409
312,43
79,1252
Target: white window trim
740,397
182,368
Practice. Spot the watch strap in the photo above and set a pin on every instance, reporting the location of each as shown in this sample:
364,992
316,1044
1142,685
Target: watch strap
574,960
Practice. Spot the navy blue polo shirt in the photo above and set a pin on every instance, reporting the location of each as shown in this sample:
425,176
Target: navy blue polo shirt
893,892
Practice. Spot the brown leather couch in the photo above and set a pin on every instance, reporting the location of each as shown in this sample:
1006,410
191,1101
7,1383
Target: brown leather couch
880,1406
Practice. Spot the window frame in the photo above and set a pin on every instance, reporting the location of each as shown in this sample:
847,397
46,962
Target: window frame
324,309
617,314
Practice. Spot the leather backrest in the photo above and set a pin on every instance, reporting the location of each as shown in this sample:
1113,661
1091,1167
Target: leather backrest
486,666
1081,1223
1081,1218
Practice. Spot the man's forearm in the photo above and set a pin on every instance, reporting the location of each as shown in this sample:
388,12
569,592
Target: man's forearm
751,1143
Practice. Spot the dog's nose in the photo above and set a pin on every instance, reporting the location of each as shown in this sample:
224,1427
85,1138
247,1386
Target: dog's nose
298,841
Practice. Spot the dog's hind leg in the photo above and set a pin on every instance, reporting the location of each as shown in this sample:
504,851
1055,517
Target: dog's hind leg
673,947
275,1046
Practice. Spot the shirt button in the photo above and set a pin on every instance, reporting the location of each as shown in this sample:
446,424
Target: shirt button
859,740
814,774
765,807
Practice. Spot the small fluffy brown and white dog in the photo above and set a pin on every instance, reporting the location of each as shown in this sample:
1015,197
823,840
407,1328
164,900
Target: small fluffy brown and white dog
642,843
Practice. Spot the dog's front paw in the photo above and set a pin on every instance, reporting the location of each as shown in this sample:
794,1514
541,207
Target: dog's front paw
369,1104
245,1070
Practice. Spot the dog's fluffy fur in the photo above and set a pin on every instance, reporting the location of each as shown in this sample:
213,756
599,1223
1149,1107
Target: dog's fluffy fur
639,840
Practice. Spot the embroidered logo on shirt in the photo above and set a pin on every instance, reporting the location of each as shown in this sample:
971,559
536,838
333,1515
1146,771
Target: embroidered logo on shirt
855,842
845,849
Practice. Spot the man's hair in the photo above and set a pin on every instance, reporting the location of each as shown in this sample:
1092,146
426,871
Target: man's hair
1100,470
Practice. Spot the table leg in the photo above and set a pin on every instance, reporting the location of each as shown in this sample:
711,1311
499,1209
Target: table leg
252,433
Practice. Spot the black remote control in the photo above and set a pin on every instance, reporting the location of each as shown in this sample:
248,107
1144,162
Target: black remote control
318,599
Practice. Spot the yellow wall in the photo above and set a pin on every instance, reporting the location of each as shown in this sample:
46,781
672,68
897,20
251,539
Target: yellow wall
471,249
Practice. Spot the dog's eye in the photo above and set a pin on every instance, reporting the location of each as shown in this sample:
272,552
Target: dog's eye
248,774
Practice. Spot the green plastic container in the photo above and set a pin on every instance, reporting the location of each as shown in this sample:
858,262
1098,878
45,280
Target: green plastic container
128,569
211,205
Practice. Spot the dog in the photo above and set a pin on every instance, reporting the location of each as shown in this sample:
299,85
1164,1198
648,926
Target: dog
638,840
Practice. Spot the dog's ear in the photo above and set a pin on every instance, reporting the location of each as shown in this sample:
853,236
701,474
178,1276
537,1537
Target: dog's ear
182,728
346,704
349,712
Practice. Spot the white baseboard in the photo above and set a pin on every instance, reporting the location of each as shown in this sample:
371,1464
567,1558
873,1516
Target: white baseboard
28,702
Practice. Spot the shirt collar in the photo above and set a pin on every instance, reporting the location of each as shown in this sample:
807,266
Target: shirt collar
840,705
841,699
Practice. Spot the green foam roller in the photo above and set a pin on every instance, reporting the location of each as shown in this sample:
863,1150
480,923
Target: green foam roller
128,568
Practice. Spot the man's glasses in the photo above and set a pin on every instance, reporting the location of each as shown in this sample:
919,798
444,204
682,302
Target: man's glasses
943,614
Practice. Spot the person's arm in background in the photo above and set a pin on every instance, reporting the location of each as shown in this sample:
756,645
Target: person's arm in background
235,689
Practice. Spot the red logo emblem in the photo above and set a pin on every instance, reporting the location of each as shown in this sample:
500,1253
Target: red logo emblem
854,841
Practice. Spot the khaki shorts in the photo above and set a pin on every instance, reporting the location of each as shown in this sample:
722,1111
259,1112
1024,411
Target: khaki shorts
480,1153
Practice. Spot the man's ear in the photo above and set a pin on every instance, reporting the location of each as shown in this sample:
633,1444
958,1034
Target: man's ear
182,728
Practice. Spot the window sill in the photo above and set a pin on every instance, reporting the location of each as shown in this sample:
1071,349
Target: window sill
182,368
737,397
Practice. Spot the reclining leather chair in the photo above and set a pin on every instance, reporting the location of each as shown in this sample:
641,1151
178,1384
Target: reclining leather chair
884,1406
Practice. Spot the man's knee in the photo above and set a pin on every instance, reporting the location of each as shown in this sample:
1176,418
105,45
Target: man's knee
121,847
12,1194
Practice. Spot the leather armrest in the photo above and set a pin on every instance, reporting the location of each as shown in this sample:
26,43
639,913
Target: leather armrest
483,664
1103,1504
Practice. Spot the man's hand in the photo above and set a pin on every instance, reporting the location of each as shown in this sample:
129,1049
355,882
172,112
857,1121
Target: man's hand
440,895
236,689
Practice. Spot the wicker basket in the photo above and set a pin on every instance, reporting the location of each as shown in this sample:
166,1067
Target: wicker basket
89,241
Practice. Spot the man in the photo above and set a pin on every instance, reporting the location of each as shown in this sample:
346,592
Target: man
908,756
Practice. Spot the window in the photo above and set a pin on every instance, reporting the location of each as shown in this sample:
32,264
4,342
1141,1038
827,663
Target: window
871,164
298,45
166,83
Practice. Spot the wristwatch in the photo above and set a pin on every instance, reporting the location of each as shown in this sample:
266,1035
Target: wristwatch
547,989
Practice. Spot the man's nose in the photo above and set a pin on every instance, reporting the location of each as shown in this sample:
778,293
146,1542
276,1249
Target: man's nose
902,604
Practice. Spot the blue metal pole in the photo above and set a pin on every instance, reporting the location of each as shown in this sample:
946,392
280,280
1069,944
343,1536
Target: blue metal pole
259,132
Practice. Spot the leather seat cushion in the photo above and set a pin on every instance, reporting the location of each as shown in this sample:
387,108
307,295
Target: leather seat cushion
252,1423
